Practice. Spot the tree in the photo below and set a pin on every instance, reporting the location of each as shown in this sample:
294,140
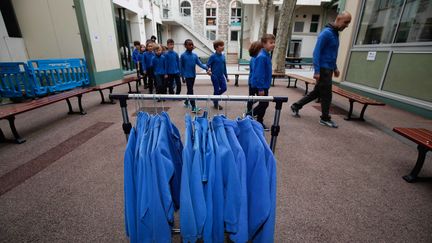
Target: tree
283,35
265,6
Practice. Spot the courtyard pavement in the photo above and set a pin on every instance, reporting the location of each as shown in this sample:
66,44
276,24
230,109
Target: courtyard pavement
65,184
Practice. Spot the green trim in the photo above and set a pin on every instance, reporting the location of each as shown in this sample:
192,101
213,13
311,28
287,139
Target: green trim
107,76
85,39
395,103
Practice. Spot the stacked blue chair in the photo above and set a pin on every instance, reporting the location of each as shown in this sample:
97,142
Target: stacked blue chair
59,74
15,81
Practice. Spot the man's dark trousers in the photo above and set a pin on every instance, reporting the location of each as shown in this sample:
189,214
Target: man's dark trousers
322,90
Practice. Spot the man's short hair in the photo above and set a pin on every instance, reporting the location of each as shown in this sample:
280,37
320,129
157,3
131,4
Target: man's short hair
266,37
218,43
153,37
137,43
169,41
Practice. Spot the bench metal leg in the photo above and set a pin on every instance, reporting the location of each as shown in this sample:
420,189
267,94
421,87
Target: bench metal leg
102,97
137,85
236,80
307,89
69,106
273,81
18,139
412,177
81,110
130,88
350,118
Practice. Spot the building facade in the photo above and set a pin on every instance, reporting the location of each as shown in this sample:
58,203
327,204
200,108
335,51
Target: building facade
387,51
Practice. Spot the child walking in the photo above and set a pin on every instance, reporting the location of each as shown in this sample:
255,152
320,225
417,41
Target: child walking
173,68
217,66
254,49
159,70
262,75
136,58
188,61
148,58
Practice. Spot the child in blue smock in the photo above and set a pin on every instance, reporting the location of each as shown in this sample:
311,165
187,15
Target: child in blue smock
254,49
217,67
148,57
188,61
159,70
173,68
262,76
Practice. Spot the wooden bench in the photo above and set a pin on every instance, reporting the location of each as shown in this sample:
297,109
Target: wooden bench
10,111
236,74
423,139
110,86
300,64
354,97
297,77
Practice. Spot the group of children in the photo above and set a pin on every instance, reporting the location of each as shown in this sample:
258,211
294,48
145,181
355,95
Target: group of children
162,67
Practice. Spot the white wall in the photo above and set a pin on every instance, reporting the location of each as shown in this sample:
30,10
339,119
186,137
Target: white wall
49,28
103,40
11,49
179,35
307,46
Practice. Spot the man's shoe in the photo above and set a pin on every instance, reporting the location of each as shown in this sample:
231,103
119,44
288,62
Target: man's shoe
328,123
265,127
295,111
218,107
186,104
196,110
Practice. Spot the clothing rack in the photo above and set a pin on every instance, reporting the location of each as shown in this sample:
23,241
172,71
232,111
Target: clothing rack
275,128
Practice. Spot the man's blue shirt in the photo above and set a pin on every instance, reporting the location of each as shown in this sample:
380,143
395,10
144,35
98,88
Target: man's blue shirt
326,49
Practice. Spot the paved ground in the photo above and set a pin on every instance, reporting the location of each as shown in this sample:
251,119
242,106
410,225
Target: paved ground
334,185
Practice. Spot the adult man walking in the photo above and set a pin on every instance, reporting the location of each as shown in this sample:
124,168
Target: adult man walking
324,61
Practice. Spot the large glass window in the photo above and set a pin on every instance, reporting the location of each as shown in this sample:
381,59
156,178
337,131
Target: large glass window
380,22
416,22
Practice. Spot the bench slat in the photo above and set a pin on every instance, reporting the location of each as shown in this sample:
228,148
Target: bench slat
27,106
418,135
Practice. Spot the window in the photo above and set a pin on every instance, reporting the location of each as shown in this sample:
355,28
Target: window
236,13
211,34
210,7
234,35
298,26
314,23
416,22
185,8
294,48
10,19
211,16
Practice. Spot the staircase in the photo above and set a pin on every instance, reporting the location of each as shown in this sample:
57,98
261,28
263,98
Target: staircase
231,58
